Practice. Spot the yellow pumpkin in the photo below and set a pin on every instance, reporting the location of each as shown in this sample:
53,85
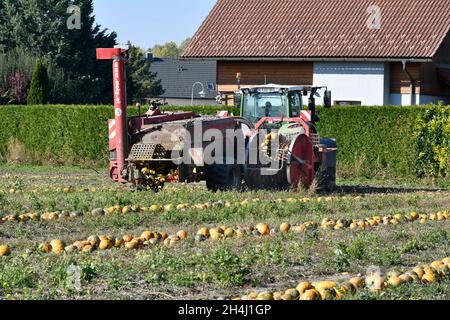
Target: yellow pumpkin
263,229
203,232
57,246
347,287
105,244
436,264
118,242
324,284
146,235
104,238
88,248
303,286
277,296
4,250
299,229
294,293
182,234
406,278
285,227
126,209
45,247
311,294
94,240
395,281
357,282
428,278
265,296
327,293
70,249
132,245
127,238
155,208
229,233
164,235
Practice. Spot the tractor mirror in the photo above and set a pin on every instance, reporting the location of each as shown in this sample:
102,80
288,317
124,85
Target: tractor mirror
327,99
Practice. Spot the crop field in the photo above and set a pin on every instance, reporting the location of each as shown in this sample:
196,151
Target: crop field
70,233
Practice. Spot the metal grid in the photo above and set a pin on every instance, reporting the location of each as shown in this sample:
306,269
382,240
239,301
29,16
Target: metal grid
142,152
315,139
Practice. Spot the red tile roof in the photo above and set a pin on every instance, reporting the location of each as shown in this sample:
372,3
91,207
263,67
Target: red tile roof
308,29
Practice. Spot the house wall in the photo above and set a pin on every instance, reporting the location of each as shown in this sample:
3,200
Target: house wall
261,72
370,83
432,86
352,81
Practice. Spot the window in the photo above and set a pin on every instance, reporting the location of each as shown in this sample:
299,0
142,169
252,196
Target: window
296,103
211,86
347,103
259,105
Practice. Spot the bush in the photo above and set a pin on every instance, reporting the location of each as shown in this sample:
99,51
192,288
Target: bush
39,89
432,138
372,141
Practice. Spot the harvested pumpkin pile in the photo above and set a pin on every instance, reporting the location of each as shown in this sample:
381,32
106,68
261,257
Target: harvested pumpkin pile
375,282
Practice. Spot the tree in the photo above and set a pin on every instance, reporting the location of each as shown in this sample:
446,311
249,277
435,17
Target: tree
170,49
39,89
141,83
39,26
167,50
184,44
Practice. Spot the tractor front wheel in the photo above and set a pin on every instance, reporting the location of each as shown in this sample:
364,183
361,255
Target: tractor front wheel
222,177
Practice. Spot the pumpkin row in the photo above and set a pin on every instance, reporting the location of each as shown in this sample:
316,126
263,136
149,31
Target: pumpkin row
375,282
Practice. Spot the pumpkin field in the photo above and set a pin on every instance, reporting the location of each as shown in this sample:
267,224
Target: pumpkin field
70,233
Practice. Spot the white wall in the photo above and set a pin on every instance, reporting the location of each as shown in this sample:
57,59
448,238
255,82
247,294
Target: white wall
352,81
404,99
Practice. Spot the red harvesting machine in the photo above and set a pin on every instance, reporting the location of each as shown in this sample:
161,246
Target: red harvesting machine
273,144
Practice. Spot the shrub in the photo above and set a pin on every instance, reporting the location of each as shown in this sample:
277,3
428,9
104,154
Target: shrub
39,89
432,137
372,141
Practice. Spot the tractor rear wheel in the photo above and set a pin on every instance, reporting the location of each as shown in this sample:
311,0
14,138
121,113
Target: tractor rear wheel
223,177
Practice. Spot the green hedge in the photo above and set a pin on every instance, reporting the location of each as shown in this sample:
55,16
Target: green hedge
64,134
372,141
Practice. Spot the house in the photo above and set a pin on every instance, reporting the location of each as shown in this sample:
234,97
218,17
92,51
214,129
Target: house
368,52
182,78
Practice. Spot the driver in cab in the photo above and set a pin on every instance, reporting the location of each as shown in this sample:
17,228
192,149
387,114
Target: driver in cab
268,108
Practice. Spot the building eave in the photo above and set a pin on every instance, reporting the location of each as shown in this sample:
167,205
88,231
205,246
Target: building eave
312,59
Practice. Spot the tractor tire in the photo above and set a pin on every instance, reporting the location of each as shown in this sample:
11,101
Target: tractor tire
222,177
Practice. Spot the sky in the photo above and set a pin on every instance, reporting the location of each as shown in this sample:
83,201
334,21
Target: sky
149,22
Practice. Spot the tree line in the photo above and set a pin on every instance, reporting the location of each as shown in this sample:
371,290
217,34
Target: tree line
44,61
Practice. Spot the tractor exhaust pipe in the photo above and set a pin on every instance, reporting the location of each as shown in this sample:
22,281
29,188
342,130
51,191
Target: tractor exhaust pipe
118,56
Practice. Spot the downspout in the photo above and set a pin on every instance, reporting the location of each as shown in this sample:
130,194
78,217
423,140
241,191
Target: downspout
412,85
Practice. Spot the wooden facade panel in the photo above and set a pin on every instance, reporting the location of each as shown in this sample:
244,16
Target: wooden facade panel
399,79
431,85
258,73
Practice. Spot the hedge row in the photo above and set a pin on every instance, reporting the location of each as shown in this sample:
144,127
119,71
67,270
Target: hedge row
372,140
63,134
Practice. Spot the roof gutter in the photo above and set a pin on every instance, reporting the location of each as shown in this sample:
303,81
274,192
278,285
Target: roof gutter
318,59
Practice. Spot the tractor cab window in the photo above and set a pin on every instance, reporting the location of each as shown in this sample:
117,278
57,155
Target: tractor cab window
259,105
296,104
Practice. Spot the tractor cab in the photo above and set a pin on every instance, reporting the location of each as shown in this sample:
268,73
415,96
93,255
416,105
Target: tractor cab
275,101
